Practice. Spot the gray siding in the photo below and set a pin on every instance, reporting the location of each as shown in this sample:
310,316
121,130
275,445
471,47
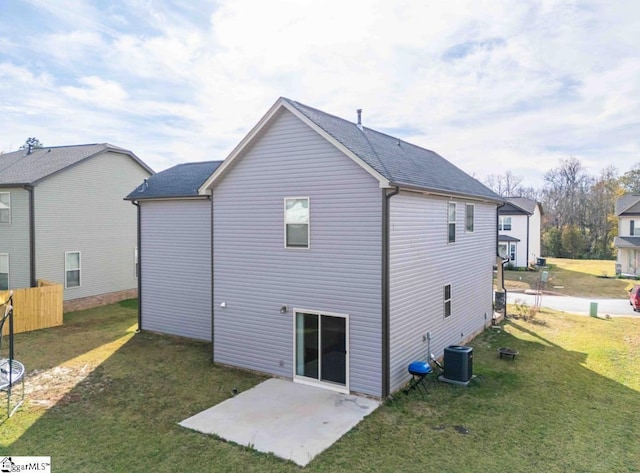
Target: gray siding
422,262
82,209
176,267
255,275
14,238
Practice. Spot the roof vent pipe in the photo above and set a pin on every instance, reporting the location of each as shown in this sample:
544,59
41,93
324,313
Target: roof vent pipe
359,111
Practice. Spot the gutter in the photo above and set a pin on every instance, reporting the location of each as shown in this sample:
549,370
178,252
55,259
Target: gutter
32,235
528,251
139,244
444,193
210,198
386,231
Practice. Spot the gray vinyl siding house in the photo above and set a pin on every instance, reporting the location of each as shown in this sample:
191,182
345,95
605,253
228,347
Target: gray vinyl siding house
335,253
175,251
255,275
67,200
13,245
627,243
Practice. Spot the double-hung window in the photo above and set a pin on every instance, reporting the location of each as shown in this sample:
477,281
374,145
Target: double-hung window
505,224
451,220
447,300
72,269
296,222
5,207
4,271
469,211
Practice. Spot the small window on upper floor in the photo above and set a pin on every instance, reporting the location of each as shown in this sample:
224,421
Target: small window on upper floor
505,224
72,269
451,220
296,222
469,214
5,207
633,231
4,271
447,300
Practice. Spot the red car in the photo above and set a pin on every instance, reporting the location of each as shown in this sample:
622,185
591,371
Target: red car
634,297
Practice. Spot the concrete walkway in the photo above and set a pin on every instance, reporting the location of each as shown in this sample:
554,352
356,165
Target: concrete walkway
577,305
293,421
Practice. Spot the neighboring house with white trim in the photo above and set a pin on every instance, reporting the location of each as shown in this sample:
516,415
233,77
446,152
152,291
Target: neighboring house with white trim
519,226
340,254
627,242
63,219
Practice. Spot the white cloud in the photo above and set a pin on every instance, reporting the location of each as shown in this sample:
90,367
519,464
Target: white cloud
97,92
492,87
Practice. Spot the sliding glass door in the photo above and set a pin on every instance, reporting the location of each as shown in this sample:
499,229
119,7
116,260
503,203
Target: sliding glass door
321,342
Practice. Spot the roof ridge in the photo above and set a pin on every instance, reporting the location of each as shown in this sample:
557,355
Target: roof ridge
407,163
371,147
209,161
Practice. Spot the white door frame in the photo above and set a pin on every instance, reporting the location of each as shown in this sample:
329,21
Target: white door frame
317,382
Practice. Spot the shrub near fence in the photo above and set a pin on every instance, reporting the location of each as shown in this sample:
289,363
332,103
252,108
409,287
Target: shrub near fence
35,307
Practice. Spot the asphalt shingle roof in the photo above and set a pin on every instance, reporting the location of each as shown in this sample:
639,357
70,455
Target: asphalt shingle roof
18,167
402,163
182,180
528,205
625,202
507,238
626,242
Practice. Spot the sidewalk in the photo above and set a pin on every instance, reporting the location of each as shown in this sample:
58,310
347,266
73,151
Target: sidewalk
576,305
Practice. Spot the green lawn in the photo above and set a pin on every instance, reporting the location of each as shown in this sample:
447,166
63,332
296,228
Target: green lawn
595,278
103,398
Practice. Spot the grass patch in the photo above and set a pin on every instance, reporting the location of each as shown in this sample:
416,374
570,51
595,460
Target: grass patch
595,278
129,304
567,403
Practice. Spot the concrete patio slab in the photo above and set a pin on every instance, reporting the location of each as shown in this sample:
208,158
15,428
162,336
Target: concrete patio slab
293,421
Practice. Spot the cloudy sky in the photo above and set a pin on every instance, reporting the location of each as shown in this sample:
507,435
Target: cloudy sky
490,85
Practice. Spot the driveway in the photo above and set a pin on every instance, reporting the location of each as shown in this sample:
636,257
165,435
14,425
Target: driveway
577,305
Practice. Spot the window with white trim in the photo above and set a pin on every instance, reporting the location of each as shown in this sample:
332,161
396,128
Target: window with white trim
469,216
136,267
451,220
505,224
4,271
71,269
5,207
447,300
296,222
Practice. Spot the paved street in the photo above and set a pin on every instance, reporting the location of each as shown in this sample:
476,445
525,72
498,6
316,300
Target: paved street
577,305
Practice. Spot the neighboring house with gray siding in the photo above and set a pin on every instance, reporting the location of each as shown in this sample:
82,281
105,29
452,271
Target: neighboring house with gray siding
519,226
62,219
337,249
175,251
627,243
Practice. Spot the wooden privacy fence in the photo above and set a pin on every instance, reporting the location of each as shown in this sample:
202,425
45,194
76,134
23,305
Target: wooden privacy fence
35,307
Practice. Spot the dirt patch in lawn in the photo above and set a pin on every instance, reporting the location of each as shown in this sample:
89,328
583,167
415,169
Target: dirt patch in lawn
63,384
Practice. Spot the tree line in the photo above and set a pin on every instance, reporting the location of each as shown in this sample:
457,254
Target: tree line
578,218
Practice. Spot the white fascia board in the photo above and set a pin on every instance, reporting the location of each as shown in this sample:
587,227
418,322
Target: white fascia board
383,182
256,130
